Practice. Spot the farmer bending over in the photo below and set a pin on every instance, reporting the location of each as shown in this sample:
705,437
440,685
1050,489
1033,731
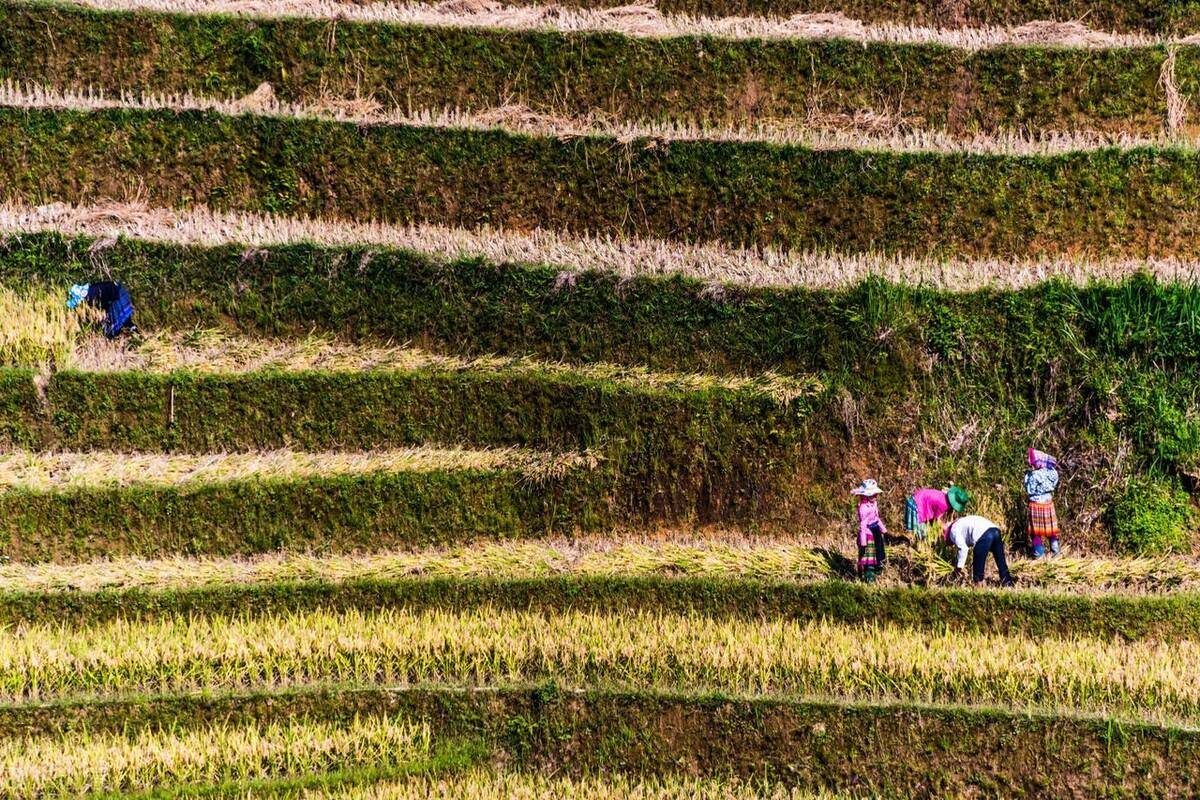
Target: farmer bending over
982,535
112,298
927,507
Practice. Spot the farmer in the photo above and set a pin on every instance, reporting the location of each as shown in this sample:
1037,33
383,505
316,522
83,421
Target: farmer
928,506
112,298
980,534
1041,480
871,531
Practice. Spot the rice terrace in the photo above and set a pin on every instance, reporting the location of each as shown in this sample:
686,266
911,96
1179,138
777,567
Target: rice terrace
746,399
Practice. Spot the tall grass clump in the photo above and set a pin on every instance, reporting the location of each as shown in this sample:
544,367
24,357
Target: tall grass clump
1152,517
37,329
54,766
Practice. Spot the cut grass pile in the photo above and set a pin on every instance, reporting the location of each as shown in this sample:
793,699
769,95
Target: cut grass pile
96,469
82,763
610,556
1151,680
515,560
1110,15
643,21
105,222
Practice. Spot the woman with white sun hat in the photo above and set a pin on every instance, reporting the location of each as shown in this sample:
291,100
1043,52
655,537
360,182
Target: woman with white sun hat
871,531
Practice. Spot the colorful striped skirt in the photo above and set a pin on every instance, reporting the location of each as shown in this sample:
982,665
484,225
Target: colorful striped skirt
866,558
1043,521
912,523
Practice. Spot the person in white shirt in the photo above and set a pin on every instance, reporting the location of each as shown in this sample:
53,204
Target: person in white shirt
980,534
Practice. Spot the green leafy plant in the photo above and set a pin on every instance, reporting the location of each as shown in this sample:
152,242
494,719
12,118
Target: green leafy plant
1151,517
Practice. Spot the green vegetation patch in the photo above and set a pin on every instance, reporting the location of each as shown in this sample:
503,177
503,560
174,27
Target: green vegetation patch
1159,16
1151,517
1108,201
805,744
707,451
324,513
22,417
712,453
696,78
1105,367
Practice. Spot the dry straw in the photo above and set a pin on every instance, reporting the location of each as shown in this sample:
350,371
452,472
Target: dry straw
56,471
775,561
1151,680
84,763
615,554
643,21
716,265
820,133
211,351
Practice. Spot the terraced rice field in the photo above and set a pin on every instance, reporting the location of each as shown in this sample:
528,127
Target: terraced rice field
503,371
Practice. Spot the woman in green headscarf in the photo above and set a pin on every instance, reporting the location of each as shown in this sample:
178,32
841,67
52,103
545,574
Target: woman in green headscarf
930,506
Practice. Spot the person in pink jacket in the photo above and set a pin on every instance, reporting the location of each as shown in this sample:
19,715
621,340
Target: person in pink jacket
929,506
871,531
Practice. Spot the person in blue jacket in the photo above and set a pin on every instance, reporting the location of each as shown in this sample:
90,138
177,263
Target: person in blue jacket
111,298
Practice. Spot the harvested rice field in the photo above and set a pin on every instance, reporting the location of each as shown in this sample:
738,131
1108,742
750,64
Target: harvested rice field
515,400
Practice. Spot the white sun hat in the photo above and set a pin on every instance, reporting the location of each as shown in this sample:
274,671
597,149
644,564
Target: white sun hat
868,488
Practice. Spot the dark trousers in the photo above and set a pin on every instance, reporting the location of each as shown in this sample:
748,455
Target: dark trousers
990,542
878,535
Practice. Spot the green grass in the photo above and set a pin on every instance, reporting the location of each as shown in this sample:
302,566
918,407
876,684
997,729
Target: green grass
706,451
1141,15
682,445
1105,368
742,193
325,513
695,78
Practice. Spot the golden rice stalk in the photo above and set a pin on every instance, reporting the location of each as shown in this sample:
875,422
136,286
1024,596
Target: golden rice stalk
480,784
768,561
37,329
621,649
68,470
62,766
1163,573
211,351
